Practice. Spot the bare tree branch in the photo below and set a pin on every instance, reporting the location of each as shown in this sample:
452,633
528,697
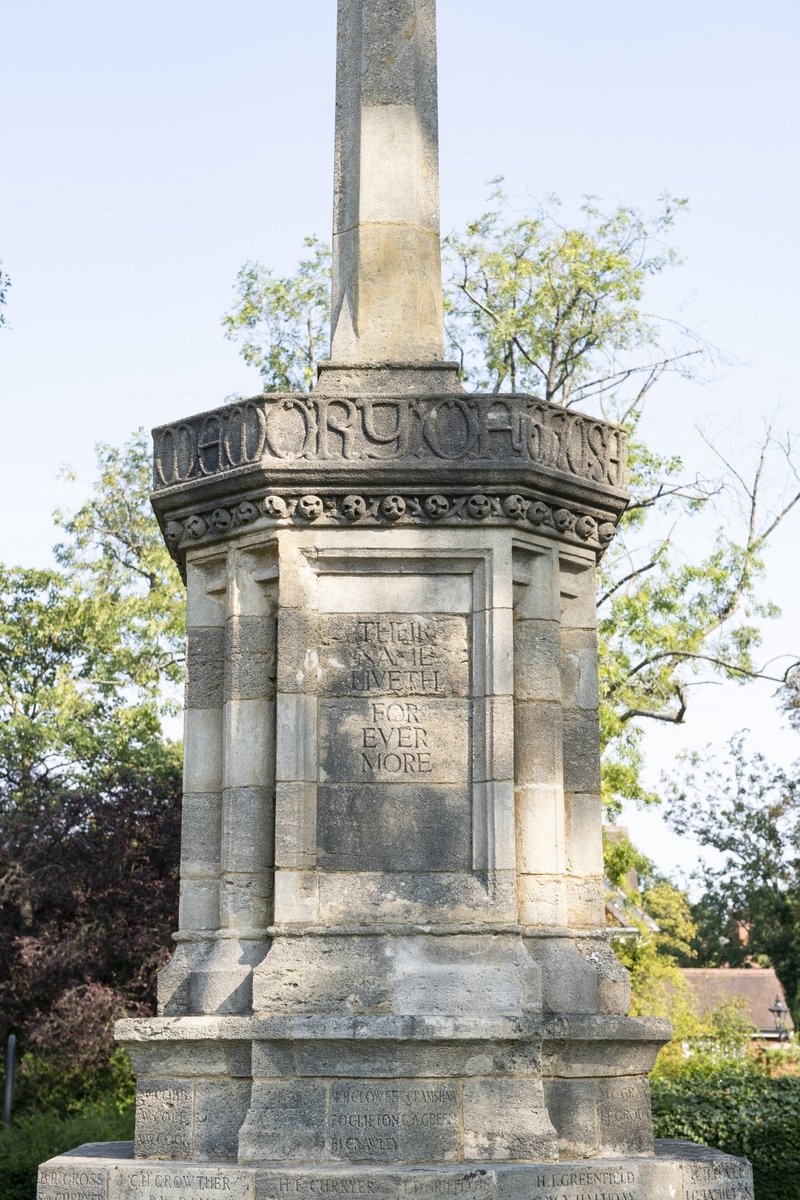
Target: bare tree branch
709,658
626,579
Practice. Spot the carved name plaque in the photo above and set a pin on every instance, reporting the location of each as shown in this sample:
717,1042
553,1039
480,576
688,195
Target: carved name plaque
724,1179
378,1121
476,1184
394,736
92,1180
184,1181
387,1185
164,1119
394,654
81,1181
593,1182
626,1120
394,740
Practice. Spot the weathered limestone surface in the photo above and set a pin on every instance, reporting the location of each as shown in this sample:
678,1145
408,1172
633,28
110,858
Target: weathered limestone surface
392,975
678,1169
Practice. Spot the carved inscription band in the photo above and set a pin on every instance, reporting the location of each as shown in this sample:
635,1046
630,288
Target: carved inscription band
514,429
720,1179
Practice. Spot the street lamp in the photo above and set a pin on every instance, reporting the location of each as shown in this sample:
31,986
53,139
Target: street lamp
779,1013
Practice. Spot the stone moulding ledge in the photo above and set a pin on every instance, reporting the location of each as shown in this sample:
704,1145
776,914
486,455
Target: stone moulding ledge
328,364
581,1028
571,523
526,931
304,931
676,1169
388,365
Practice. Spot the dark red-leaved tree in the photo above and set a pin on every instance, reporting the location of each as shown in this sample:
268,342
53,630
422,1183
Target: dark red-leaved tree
88,900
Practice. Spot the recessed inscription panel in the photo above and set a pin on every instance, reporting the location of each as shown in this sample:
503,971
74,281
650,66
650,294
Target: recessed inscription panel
475,1184
399,1121
573,1181
380,1183
432,592
184,1181
624,1115
90,1179
394,782
164,1112
79,1181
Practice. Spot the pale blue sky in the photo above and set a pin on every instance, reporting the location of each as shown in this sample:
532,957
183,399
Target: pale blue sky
147,150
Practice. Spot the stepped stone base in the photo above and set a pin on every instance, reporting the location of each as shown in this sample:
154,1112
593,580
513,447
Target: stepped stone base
677,1171
392,1090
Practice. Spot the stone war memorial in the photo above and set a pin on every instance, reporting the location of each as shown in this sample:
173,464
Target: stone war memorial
392,976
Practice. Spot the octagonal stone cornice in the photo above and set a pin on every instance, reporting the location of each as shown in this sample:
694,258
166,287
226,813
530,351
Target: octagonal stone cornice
388,459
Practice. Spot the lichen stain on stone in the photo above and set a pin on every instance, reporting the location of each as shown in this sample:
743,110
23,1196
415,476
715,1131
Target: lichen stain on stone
405,36
410,30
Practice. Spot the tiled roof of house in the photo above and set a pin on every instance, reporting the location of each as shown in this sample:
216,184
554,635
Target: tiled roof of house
758,985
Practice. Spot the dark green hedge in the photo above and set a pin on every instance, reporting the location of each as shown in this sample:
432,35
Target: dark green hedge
738,1109
34,1138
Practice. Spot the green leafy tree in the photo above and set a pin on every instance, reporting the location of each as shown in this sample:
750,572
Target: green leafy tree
657,986
621,858
90,655
115,555
560,310
532,303
666,623
737,1107
661,936
790,696
65,708
660,932
89,786
750,814
284,323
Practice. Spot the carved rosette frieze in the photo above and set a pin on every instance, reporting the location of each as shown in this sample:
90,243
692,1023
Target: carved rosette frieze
286,508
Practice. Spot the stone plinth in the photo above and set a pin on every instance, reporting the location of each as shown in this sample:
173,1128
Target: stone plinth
388,1089
678,1170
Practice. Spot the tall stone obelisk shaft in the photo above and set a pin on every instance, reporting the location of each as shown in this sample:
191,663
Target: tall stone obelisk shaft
387,289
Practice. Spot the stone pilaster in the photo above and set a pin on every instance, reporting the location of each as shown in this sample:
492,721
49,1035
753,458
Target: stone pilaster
201,829
538,739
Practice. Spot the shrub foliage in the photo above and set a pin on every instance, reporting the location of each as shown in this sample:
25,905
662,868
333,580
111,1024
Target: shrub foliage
737,1107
